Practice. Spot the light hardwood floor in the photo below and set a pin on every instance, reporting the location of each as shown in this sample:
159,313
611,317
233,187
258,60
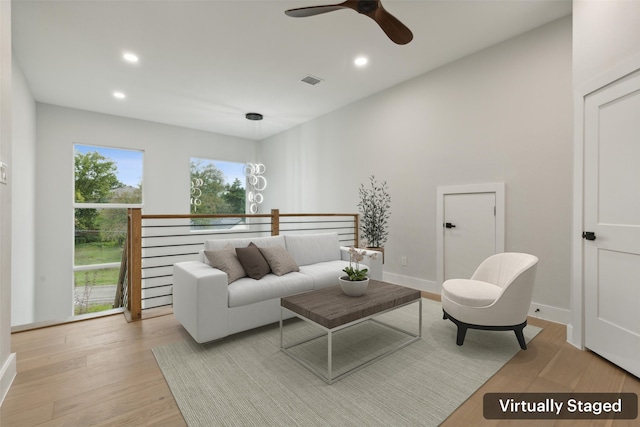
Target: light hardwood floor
102,372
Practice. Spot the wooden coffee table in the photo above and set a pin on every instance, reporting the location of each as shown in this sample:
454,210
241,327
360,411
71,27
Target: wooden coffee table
331,310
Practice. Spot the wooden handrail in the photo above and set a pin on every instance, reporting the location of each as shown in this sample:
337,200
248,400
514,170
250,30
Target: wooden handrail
269,215
132,267
190,216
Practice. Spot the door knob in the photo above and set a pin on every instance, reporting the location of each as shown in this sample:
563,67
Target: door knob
449,225
589,235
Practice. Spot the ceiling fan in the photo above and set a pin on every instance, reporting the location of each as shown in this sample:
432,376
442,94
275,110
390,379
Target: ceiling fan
393,28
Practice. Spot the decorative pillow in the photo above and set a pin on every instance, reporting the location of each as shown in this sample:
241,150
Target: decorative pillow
253,262
226,260
279,260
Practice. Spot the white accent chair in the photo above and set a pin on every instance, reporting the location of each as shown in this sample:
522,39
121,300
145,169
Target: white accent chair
496,298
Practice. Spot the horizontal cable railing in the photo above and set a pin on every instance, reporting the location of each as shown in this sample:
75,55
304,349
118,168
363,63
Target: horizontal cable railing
155,242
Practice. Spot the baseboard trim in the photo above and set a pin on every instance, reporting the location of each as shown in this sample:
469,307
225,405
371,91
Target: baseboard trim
411,282
550,313
7,374
73,319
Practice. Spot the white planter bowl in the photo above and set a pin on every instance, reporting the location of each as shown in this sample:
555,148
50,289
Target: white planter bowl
353,288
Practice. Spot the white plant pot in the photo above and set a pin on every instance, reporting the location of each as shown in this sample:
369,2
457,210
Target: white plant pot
353,288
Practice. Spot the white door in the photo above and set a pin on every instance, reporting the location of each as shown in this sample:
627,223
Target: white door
612,214
469,229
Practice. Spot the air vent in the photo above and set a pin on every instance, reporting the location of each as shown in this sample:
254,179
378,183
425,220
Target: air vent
311,80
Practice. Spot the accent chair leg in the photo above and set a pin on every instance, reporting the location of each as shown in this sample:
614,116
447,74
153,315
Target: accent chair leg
518,330
462,331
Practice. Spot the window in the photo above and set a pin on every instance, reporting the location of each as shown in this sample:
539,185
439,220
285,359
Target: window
107,182
217,187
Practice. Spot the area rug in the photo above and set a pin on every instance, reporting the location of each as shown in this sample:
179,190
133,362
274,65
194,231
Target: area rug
245,380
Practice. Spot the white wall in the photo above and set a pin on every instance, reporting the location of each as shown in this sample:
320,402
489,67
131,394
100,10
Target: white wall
166,183
24,200
503,114
7,359
606,36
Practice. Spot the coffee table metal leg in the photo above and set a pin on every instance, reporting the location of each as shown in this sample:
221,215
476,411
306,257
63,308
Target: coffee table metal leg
419,319
281,314
329,357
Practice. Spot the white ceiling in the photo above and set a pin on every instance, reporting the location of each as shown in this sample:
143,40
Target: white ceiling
204,64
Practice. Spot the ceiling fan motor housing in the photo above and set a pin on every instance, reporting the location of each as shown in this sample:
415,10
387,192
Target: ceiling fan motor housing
367,6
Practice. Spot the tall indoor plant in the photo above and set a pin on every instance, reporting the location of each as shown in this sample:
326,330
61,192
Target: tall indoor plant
374,206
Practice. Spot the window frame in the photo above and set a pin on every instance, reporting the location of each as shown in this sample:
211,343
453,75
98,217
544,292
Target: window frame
99,206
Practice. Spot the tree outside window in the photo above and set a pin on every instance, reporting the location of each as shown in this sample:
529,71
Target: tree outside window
217,187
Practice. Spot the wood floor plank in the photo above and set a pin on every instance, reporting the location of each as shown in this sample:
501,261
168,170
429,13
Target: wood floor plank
544,385
567,366
32,417
76,377
147,416
49,369
36,393
126,402
86,401
631,385
601,375
45,359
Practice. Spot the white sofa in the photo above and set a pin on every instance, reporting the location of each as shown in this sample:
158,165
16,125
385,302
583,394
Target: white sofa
210,308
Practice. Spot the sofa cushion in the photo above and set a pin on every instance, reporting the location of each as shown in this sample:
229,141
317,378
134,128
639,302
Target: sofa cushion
279,260
261,242
253,262
247,291
326,274
225,259
308,249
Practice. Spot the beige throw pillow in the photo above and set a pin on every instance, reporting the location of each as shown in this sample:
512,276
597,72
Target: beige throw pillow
225,259
279,260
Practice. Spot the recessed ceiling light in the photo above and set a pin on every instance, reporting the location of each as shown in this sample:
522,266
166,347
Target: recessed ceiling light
119,95
361,61
130,57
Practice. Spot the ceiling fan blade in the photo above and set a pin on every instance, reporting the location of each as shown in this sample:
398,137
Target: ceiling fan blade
303,12
392,27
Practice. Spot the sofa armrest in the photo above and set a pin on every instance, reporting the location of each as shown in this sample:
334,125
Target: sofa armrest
374,265
201,300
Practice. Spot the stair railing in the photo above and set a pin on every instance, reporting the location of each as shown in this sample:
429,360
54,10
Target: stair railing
155,242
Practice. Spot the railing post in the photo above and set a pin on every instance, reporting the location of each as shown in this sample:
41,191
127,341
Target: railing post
275,222
122,274
356,231
135,264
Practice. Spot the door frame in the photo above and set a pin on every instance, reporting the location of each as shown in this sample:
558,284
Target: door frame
575,329
496,187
